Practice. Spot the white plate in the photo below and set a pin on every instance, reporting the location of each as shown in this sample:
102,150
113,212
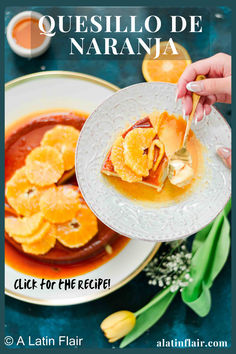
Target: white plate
67,90
120,269
124,215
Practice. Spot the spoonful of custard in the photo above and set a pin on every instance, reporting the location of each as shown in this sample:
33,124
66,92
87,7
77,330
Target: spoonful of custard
180,171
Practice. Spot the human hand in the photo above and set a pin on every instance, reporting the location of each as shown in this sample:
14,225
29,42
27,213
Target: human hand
216,87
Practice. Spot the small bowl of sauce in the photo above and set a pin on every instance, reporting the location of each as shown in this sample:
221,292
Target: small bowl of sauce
23,34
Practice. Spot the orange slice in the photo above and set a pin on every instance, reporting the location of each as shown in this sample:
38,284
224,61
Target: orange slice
41,246
22,195
64,138
44,166
167,67
79,230
23,227
118,161
37,236
136,142
60,204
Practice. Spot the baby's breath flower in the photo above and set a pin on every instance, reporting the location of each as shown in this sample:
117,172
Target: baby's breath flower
171,267
174,288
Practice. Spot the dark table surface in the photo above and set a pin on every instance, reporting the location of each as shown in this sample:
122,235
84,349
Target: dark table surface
83,320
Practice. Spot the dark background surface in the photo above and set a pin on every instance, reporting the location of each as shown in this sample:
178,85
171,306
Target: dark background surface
83,320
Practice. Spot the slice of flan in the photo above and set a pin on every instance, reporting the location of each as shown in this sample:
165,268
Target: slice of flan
138,155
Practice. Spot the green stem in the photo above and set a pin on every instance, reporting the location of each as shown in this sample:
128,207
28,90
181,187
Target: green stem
169,254
153,301
162,293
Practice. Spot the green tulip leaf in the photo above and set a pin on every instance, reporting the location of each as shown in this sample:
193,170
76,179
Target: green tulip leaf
202,235
210,252
221,252
202,304
202,261
200,238
148,318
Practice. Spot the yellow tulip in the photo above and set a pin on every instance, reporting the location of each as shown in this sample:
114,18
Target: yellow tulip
118,324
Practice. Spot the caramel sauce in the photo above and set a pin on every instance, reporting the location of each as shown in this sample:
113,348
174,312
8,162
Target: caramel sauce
35,268
27,33
171,133
60,262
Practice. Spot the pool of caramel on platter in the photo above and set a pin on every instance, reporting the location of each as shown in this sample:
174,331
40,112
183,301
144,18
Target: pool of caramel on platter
60,262
171,133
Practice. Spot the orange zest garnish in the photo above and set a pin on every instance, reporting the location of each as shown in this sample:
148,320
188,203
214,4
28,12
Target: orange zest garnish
79,230
60,204
44,166
63,138
151,153
136,142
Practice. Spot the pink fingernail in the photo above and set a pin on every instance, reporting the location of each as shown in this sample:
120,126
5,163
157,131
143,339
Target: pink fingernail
199,117
194,86
204,115
223,151
225,155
